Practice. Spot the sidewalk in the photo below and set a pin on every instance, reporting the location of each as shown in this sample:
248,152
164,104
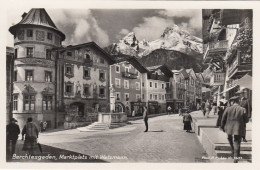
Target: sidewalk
215,142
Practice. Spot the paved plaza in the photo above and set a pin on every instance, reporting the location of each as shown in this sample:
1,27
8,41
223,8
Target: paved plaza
166,141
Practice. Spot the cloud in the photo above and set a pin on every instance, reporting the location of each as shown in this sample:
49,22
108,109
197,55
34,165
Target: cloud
124,31
194,16
79,26
152,27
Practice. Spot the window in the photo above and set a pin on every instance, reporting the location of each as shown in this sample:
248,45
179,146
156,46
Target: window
117,95
151,96
143,84
143,96
69,53
118,83
127,69
126,84
162,97
162,86
49,36
102,76
87,57
138,97
155,97
137,86
68,70
29,102
15,75
47,102
48,54
29,51
15,53
86,89
102,91
68,89
28,75
155,85
15,102
137,73
102,61
117,69
151,84
29,33
127,96
167,85
86,73
48,77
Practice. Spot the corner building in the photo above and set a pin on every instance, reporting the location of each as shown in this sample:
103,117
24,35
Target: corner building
34,67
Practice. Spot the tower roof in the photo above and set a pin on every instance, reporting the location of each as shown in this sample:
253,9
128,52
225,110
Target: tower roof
39,17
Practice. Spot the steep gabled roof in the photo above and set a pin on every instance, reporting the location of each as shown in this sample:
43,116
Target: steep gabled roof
108,57
38,17
184,73
163,68
133,61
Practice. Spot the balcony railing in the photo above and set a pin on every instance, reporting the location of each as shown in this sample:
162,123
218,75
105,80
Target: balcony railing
217,79
129,75
213,47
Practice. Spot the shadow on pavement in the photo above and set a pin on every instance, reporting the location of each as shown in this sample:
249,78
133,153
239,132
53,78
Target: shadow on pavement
157,131
51,154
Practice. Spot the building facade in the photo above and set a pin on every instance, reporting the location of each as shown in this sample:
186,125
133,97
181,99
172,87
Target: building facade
127,81
228,34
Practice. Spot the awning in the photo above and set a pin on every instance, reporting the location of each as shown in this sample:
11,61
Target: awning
228,89
245,82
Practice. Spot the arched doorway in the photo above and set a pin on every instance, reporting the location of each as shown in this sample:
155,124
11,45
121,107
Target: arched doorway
77,108
119,108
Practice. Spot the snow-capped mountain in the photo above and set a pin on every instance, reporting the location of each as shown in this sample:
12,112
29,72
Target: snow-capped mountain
173,38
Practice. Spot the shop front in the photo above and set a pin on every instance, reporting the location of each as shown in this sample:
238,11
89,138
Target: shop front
153,107
137,108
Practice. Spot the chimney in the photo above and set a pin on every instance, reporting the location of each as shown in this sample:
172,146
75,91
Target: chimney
24,14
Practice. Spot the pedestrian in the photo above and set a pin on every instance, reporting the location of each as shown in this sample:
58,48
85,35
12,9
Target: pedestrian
12,133
31,133
133,113
214,108
232,123
45,124
180,112
220,114
169,109
203,108
244,102
187,121
208,108
145,116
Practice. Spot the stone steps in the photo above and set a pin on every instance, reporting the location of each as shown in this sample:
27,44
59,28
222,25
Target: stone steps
226,147
96,126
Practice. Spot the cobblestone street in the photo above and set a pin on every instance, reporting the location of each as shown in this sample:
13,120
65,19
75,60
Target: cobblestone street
166,141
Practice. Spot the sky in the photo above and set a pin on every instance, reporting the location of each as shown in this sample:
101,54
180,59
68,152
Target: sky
107,26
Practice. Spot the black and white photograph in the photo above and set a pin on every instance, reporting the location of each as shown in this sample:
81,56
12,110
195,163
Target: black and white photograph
129,85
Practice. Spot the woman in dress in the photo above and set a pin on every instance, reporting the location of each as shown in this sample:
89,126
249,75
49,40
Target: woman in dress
187,121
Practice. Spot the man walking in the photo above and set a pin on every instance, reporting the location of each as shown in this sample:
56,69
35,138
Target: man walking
12,132
232,123
245,104
31,133
145,116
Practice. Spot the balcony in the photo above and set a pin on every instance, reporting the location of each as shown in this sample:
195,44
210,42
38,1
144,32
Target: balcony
35,62
217,79
88,62
129,75
217,48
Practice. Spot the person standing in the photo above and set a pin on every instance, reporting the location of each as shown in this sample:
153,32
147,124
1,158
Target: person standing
203,108
145,116
31,133
12,133
208,108
232,123
169,109
244,102
187,119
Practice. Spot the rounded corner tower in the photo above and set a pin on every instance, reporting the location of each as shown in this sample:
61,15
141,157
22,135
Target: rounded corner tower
35,37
